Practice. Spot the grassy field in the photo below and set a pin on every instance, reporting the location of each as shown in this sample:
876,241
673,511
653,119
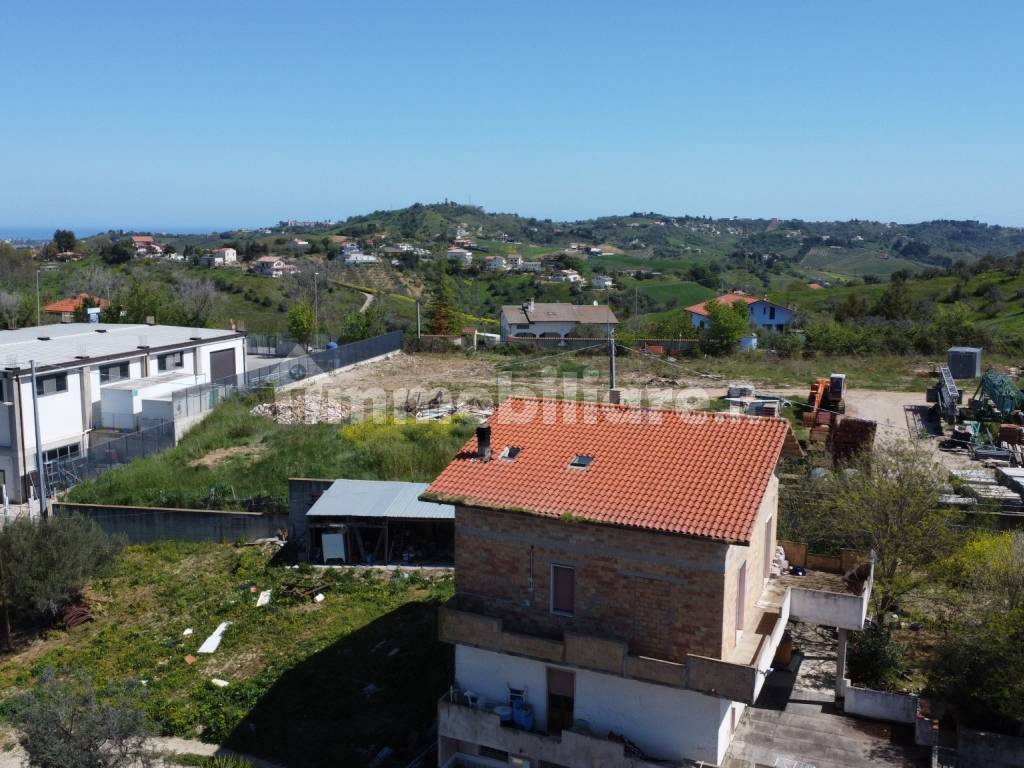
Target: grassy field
669,291
328,681
855,261
994,298
234,457
884,372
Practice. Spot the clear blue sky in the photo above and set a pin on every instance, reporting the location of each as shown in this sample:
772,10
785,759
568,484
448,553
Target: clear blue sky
228,114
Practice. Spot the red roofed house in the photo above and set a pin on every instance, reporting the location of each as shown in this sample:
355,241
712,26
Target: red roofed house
614,587
65,309
763,313
146,245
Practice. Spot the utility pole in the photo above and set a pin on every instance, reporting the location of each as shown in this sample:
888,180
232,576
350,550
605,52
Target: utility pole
38,314
417,320
316,306
39,445
613,393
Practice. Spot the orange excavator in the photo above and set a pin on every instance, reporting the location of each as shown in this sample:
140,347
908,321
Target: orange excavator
828,394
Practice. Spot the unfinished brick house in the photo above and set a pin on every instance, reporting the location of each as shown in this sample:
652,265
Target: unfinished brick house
614,600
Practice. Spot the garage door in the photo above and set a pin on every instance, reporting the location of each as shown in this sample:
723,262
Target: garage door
222,364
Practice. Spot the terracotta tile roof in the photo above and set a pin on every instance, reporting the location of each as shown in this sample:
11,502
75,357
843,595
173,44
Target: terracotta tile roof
688,472
726,298
72,304
143,239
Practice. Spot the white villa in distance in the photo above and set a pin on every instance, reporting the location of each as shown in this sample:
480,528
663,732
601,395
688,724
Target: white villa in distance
532,320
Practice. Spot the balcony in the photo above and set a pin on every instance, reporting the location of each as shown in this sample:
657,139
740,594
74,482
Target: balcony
823,596
819,597
574,748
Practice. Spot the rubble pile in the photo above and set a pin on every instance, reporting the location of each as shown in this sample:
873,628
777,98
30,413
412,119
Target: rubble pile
304,409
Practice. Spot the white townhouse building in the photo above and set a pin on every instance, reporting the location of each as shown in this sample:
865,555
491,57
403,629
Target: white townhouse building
75,364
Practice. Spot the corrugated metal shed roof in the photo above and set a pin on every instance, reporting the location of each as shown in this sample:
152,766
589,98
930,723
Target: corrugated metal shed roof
378,498
77,343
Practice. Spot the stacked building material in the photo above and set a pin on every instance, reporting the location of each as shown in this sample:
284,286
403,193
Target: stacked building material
1013,434
851,436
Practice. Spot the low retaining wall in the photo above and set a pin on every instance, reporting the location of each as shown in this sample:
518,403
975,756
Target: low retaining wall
879,705
143,525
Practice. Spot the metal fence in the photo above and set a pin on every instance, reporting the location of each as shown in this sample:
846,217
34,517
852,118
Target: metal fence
203,397
152,438
64,473
280,345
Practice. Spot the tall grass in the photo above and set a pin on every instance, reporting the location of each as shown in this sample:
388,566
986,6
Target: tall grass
258,478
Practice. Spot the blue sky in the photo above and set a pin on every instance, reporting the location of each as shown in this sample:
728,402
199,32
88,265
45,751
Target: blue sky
220,114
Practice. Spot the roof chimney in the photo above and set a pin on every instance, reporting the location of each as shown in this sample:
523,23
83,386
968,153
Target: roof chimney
483,443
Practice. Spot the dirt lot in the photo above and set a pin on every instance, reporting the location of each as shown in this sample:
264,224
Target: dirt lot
484,378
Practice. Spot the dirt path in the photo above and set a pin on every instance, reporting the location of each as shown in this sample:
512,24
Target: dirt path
366,304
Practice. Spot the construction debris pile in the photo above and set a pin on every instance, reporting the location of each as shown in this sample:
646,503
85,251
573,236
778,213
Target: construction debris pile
305,408
436,408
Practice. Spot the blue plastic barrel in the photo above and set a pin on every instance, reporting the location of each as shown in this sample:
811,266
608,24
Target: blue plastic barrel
522,715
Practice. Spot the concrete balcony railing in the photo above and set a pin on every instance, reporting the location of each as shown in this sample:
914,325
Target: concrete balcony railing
737,682
823,596
818,598
574,748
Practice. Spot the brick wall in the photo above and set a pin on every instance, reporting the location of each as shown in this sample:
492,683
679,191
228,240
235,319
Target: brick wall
663,594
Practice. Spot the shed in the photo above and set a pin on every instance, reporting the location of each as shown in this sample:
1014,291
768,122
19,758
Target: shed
379,522
964,362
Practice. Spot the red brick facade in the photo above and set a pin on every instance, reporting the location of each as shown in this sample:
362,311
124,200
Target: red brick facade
665,594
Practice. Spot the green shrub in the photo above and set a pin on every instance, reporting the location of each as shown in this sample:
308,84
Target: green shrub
876,659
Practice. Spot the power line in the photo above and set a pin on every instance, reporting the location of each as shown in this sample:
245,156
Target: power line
694,372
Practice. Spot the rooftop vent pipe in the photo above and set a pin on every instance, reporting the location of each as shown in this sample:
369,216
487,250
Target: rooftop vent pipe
483,443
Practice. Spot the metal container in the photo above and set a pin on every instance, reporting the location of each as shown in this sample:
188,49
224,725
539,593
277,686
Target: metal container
964,362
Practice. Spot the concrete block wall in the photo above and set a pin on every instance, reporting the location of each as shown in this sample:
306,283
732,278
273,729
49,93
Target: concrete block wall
641,587
142,525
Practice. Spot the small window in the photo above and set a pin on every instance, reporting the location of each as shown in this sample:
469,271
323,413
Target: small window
114,372
510,453
49,385
771,313
563,590
71,451
170,361
581,461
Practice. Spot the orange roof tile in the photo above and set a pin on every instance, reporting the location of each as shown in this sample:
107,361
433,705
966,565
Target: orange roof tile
726,298
72,304
689,472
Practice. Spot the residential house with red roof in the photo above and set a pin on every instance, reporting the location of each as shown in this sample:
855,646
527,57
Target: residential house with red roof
764,314
65,309
146,245
615,601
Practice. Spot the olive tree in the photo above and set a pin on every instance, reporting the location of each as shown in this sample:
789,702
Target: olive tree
885,501
69,724
46,563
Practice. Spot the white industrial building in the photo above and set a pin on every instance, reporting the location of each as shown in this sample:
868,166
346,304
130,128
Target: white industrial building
76,363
